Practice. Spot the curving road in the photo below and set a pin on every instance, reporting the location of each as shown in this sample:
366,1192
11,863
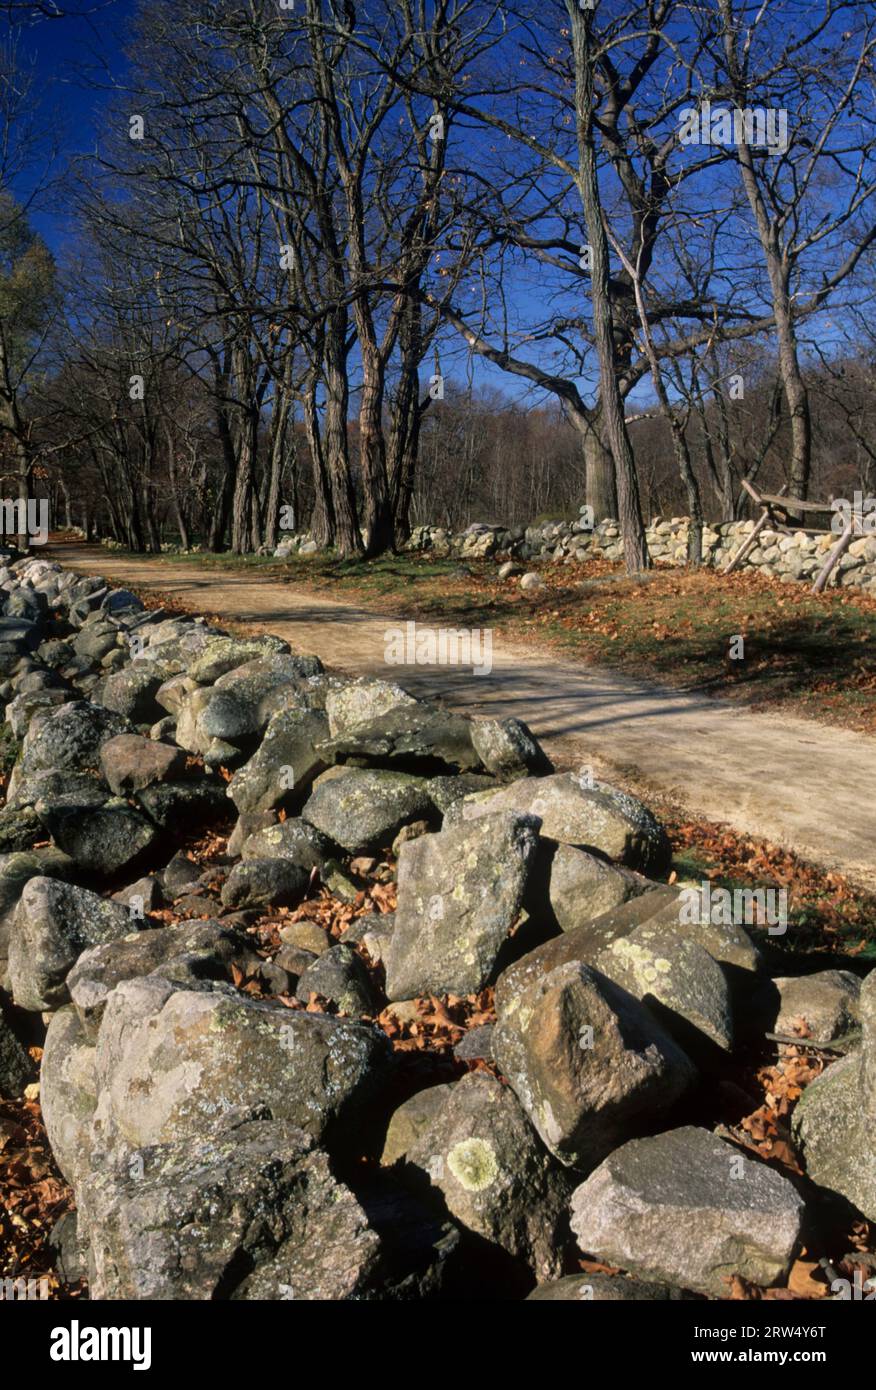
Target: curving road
808,787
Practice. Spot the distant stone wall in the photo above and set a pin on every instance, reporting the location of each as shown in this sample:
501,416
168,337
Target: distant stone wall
786,557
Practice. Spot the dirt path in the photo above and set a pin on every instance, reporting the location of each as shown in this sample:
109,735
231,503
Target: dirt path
802,785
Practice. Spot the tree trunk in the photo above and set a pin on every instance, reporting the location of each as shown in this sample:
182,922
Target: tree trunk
241,508
778,269
322,521
618,440
600,492
348,538
279,434
219,519
377,511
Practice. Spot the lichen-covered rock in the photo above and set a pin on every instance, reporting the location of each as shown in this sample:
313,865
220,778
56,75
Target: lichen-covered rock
20,710
481,1157
507,748
835,1119
190,733
102,840
589,1064
189,802
285,763
678,980
339,976
68,1093
657,908
18,868
173,693
67,739
204,949
364,810
411,735
689,1209
827,1004
16,1067
18,829
172,1063
446,790
221,654
356,703
582,886
259,882
410,1120
179,876
131,692
54,923
252,1213
594,817
293,839
459,894
142,896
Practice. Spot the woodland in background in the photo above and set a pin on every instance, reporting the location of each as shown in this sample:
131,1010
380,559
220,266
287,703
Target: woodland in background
306,232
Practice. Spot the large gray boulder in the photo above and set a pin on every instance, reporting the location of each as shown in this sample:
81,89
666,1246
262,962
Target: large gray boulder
459,894
171,1063
189,802
259,882
54,923
68,1093
410,735
219,655
835,1119
678,980
250,1213
480,1157
352,704
363,810
293,839
657,909
582,886
594,817
201,949
826,1004
16,869
244,699
285,763
689,1209
589,1064
102,840
131,692
507,748
68,739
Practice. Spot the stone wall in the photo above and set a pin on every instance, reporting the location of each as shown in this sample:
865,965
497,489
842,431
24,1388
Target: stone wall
787,557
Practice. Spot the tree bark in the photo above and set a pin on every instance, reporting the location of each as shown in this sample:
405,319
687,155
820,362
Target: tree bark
600,492
618,440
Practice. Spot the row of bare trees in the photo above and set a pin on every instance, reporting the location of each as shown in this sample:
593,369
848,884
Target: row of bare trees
351,267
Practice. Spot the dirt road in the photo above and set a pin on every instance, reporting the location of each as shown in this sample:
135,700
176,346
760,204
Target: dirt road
802,785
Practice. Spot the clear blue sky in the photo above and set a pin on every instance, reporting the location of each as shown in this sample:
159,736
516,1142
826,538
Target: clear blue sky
67,58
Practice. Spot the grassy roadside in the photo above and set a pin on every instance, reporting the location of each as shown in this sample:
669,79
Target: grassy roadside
810,655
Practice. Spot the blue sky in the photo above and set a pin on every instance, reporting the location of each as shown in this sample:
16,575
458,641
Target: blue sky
67,56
